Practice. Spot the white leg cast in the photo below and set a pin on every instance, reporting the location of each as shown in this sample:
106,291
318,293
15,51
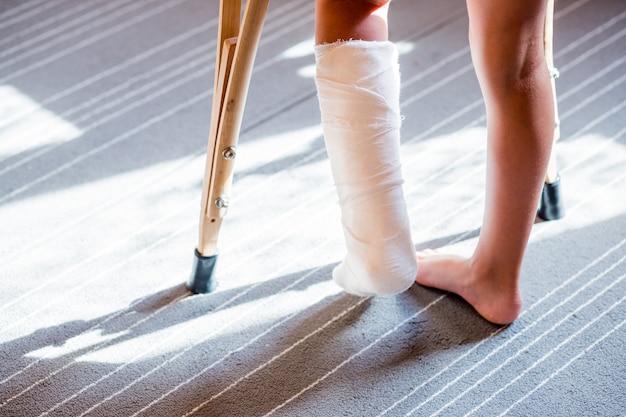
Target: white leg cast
358,85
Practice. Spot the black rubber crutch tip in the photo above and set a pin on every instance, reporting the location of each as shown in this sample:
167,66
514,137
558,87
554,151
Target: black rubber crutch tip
201,279
551,206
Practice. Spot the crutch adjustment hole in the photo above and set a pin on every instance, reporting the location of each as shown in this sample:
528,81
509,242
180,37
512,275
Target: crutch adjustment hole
229,153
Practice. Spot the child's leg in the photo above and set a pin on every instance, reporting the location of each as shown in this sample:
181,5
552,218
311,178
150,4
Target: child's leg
506,39
358,88
350,19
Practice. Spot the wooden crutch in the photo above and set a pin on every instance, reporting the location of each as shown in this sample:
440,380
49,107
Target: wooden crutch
237,42
551,205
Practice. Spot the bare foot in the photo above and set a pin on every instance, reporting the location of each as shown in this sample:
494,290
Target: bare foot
494,296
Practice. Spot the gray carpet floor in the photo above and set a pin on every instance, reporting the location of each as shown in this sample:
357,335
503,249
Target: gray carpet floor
104,114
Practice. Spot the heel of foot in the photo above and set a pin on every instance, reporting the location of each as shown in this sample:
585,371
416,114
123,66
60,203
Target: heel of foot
385,280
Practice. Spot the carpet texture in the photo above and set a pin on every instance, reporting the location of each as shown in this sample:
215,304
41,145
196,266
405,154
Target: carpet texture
104,114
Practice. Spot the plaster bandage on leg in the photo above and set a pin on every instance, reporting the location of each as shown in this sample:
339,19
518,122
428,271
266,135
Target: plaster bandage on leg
358,85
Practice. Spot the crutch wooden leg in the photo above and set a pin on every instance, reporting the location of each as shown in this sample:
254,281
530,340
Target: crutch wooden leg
551,204
236,49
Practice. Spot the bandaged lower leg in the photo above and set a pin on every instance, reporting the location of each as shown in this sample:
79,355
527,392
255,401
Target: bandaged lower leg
358,86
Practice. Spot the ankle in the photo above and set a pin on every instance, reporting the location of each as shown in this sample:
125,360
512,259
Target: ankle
499,274
495,289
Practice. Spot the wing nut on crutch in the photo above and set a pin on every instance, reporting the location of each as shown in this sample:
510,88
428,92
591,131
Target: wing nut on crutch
236,49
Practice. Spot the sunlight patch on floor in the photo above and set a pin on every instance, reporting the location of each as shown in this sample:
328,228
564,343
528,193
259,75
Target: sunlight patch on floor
125,199
255,153
592,168
77,343
177,337
25,125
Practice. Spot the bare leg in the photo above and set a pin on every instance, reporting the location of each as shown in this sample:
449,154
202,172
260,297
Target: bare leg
350,19
506,39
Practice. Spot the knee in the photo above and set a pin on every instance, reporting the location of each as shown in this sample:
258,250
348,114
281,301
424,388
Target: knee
354,7
354,3
351,19
377,3
507,44
508,60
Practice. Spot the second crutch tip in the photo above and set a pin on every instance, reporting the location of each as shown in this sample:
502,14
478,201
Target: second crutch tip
201,280
551,206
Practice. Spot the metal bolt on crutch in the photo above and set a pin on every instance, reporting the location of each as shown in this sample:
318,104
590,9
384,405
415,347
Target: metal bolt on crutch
237,42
